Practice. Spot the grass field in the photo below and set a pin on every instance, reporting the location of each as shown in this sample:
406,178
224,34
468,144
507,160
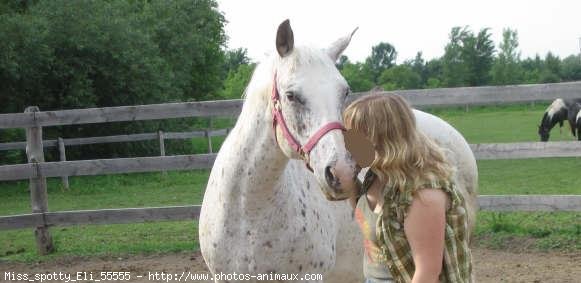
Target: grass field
559,231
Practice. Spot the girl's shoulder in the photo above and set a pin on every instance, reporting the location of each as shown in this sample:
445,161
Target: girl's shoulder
402,199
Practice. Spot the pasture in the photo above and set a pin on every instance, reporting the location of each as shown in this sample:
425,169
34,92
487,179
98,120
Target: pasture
529,231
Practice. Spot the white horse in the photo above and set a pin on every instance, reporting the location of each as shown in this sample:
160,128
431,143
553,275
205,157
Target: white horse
263,211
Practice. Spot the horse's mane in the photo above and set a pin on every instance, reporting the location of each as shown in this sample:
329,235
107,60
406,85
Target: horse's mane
555,106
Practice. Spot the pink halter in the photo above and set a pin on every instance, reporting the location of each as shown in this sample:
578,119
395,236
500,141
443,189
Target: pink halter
304,150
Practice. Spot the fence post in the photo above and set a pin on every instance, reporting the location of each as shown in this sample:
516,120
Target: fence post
208,135
63,157
38,194
161,137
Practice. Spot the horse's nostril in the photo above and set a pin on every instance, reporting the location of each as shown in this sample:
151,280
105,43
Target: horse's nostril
329,176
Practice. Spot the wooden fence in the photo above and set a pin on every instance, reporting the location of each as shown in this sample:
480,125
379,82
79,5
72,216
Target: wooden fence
36,171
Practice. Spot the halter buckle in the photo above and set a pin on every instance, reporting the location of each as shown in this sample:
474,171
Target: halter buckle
305,156
276,105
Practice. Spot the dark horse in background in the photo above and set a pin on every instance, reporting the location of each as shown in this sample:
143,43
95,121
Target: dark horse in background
559,111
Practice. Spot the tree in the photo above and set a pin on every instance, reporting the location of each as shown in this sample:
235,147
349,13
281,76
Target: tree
64,54
551,72
418,65
400,77
382,57
434,73
531,69
236,82
571,68
358,76
481,58
507,69
454,69
468,58
235,58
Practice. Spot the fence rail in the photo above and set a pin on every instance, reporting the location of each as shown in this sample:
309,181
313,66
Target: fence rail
119,138
105,166
205,161
422,98
486,95
192,212
224,108
524,150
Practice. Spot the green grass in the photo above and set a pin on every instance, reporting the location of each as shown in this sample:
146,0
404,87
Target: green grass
552,176
538,230
500,124
529,230
103,240
111,191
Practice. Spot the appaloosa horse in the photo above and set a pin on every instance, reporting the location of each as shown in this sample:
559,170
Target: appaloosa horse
266,208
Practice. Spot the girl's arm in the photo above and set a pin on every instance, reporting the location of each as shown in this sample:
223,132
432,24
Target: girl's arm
425,230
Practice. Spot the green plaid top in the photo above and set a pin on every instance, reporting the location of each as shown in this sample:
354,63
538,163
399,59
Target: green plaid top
457,262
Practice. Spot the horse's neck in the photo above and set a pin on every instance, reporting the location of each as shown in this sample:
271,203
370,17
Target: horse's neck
256,164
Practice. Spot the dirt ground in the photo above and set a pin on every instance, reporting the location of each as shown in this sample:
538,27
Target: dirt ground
491,266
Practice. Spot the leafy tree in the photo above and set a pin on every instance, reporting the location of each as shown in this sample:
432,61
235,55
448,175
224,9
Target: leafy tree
64,54
532,69
552,64
507,69
468,58
433,83
234,59
382,57
571,68
454,68
433,75
15,6
418,65
190,36
400,77
481,57
236,82
359,76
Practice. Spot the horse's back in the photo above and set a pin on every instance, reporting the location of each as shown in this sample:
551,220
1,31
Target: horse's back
457,151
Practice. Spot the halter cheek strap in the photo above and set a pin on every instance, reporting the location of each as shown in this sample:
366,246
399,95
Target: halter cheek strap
278,119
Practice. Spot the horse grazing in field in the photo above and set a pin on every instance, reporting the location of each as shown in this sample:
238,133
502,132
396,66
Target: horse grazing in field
267,208
559,111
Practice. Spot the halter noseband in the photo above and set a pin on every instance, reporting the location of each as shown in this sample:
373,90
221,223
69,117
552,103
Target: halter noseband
278,119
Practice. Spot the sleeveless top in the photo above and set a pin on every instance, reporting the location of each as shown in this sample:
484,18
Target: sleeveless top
393,244
374,266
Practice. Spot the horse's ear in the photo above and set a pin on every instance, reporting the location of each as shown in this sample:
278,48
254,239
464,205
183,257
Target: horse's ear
335,50
285,41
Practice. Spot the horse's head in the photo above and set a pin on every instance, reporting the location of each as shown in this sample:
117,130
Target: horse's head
309,94
544,128
555,113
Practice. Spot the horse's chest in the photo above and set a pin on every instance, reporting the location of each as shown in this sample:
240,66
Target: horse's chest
282,238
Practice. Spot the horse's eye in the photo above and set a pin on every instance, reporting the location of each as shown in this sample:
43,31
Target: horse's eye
291,96
347,92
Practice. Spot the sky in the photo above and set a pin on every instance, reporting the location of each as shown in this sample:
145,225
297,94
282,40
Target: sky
410,26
